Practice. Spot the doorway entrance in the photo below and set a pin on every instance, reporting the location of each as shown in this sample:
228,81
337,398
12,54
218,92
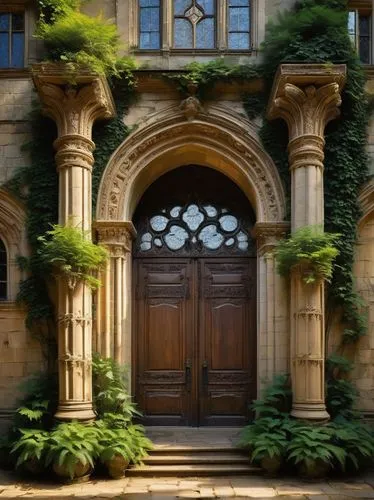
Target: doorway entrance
194,277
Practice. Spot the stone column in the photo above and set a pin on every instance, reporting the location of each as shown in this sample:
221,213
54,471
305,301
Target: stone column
114,306
74,107
307,97
272,311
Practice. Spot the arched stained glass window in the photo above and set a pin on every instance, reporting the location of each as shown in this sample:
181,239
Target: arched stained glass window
3,272
194,211
194,24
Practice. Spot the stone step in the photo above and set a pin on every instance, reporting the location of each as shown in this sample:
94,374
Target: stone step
192,470
178,450
196,458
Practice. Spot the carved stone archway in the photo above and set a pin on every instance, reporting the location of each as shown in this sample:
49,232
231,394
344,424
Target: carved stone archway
219,139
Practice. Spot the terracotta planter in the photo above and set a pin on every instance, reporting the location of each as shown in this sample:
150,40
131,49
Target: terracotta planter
81,472
34,466
314,469
116,466
271,464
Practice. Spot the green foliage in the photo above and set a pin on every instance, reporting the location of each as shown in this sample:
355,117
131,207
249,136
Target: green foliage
51,10
33,444
68,252
73,443
311,249
201,77
276,398
111,393
357,440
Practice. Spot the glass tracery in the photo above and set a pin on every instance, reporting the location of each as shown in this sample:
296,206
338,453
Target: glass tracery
194,229
194,24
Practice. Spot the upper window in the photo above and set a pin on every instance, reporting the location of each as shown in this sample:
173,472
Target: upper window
3,272
197,24
12,39
359,28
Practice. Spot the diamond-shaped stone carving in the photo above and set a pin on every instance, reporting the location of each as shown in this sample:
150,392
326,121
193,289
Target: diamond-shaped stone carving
194,14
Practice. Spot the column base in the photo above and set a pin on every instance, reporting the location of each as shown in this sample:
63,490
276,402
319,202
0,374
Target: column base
80,411
310,411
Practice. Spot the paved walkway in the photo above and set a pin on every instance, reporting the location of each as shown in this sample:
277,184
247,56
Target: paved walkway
180,488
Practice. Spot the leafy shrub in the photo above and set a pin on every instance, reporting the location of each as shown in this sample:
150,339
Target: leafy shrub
68,251
78,39
357,440
310,248
111,394
276,398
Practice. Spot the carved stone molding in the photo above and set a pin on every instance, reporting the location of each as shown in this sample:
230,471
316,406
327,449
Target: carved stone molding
191,107
217,139
307,97
74,107
267,235
74,151
117,236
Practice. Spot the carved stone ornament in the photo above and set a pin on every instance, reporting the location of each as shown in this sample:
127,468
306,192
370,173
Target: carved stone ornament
73,106
268,234
220,133
307,97
117,236
191,107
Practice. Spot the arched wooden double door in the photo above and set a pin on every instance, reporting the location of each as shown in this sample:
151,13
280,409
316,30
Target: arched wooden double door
194,278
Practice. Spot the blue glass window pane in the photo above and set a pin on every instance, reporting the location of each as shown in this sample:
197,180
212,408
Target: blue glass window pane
238,3
182,34
4,50
17,50
4,22
205,34
180,6
149,19
239,41
352,22
239,19
207,6
149,3
18,22
149,41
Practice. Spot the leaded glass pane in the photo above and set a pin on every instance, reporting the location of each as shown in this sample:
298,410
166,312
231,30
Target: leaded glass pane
149,19
193,217
4,50
18,22
17,50
4,22
207,6
159,223
205,34
149,40
175,211
239,41
210,237
176,237
149,3
180,6
239,19
238,3
183,34
364,42
228,223
211,211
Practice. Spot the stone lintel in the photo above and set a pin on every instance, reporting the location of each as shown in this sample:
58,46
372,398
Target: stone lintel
306,96
73,101
115,233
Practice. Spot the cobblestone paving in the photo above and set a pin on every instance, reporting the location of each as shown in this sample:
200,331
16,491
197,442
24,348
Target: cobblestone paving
179,488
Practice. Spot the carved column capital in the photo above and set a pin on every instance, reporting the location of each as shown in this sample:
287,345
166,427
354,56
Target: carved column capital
73,106
117,236
267,235
307,97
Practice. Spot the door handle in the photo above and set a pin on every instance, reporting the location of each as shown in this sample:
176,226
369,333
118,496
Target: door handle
188,374
205,374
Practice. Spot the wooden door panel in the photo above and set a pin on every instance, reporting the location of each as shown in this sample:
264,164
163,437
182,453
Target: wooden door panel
227,340
163,341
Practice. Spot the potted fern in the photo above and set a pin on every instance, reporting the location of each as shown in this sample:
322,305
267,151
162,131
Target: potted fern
73,448
312,450
31,449
116,451
309,249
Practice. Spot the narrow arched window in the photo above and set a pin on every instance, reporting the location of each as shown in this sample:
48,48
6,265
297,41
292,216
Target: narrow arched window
3,272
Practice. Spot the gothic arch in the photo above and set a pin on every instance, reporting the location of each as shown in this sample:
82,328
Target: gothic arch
12,233
219,139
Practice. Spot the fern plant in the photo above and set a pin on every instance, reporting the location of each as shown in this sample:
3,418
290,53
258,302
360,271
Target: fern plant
357,440
73,444
311,249
276,398
32,445
68,251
